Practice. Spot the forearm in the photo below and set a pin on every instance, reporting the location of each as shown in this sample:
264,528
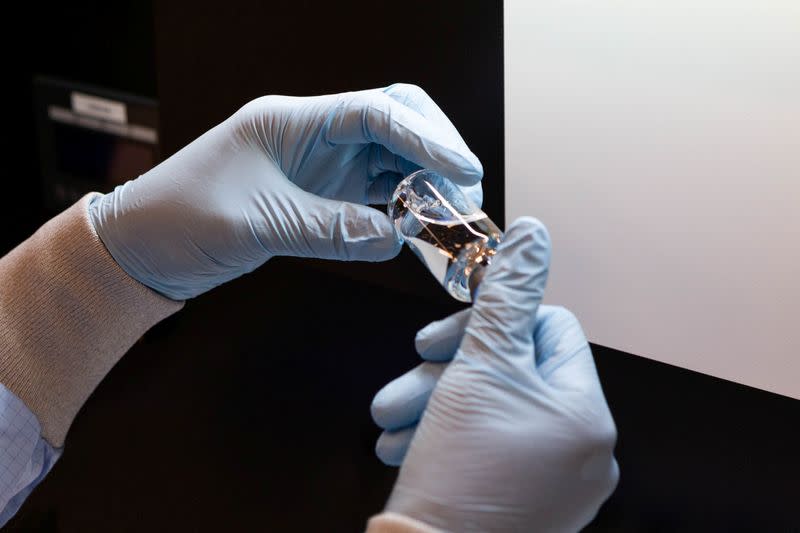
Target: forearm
68,313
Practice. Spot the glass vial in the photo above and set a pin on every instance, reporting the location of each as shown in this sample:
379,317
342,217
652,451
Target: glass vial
445,229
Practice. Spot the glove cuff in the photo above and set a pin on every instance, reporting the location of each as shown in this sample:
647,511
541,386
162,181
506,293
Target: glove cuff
397,523
68,313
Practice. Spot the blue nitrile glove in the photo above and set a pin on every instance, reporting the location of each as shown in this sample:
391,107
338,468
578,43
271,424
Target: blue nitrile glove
282,176
513,434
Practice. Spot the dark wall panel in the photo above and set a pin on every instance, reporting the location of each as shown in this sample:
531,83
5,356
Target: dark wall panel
109,45
215,57
698,453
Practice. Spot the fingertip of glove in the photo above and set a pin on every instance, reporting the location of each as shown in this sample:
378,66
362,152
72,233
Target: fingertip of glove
422,340
386,454
528,227
477,166
386,250
430,346
380,409
471,173
433,350
372,237
392,446
528,237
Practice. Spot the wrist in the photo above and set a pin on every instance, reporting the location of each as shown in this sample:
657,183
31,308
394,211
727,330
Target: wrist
113,220
67,314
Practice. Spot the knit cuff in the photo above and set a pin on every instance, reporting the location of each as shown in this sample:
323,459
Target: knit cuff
68,313
397,523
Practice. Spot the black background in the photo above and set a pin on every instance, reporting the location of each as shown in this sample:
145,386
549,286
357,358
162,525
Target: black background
249,410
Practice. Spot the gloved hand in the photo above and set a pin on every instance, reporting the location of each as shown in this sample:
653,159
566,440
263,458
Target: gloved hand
282,176
514,433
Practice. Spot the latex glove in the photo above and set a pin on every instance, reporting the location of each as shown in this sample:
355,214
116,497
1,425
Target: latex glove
515,433
282,176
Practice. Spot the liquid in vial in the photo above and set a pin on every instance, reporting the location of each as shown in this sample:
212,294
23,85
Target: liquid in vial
447,231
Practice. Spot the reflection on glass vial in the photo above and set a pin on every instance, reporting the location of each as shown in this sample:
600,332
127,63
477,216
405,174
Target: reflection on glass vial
447,231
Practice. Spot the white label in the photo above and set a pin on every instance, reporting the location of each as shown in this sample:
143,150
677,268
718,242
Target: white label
101,108
131,131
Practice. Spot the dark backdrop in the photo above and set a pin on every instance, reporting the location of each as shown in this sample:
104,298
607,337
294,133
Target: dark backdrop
106,44
249,410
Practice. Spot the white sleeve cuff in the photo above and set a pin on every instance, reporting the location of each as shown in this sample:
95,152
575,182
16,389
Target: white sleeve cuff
397,523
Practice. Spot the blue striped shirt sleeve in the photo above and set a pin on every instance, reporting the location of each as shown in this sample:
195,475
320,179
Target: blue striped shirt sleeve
25,457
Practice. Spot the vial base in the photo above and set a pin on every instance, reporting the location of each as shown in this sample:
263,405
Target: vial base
453,252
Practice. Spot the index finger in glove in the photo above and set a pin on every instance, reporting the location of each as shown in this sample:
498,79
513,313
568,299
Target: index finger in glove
402,401
439,340
374,117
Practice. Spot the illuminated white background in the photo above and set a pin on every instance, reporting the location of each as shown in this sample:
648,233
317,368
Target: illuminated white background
659,140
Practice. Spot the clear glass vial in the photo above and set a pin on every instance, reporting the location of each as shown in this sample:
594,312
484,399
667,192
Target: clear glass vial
445,229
